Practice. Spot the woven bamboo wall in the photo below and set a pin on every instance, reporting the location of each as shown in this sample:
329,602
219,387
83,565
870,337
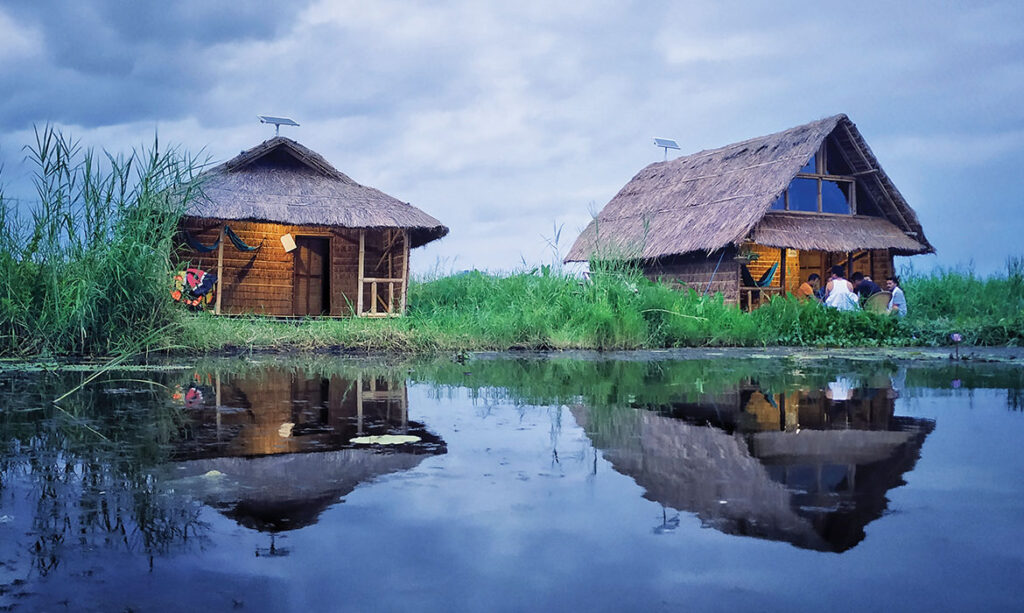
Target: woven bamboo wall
262,281
697,271
767,256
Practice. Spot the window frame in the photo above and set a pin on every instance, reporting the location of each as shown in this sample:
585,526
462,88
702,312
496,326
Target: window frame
821,174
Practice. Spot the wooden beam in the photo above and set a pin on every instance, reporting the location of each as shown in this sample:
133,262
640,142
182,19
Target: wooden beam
220,270
359,285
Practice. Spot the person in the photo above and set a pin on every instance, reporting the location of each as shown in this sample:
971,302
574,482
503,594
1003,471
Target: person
898,303
809,288
864,286
840,292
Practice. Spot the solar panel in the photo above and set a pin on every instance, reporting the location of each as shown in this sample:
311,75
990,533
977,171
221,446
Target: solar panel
278,121
667,143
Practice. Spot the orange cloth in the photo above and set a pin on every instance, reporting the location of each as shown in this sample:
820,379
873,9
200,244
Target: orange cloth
805,291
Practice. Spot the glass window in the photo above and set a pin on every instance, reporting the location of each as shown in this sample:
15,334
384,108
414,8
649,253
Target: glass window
811,165
803,195
780,203
835,197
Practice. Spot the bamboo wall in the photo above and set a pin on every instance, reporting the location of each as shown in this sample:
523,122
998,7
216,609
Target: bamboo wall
262,281
767,256
697,271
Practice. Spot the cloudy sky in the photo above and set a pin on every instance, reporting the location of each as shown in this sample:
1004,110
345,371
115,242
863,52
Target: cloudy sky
508,120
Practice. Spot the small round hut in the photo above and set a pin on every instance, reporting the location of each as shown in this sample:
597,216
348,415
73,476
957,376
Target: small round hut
303,238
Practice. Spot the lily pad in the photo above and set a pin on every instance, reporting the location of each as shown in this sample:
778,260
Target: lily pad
386,439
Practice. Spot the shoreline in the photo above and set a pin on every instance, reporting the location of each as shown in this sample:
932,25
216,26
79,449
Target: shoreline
1013,356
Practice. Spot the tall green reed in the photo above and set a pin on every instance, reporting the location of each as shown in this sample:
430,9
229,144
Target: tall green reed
86,272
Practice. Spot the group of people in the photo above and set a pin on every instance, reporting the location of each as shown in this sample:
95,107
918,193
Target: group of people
846,295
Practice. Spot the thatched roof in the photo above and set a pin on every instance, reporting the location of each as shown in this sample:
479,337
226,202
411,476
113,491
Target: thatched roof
721,197
282,181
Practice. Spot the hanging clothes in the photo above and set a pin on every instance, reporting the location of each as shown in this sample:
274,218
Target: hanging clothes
194,287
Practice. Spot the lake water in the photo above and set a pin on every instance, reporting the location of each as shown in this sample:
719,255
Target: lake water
515,484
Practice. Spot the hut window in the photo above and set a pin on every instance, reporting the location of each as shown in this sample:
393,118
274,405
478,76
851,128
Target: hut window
803,195
835,197
816,190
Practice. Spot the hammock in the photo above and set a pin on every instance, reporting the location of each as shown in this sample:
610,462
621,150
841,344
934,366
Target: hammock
239,244
201,248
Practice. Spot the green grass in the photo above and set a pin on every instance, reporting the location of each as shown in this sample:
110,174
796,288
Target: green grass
619,309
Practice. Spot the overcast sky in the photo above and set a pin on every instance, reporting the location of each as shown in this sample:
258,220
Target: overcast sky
506,120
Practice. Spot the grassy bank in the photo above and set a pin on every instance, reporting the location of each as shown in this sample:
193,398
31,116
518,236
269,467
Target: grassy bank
618,309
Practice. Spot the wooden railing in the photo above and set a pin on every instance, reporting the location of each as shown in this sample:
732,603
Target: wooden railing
375,298
378,307
751,297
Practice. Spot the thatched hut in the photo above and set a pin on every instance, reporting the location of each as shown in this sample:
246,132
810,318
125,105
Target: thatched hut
777,207
308,240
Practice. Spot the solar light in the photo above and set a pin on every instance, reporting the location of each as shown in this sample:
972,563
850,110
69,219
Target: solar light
277,121
666,144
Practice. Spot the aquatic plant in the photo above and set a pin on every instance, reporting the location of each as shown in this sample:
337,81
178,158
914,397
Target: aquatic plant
84,270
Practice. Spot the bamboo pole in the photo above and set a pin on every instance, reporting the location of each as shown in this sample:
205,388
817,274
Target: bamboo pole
405,266
782,265
220,270
362,257
391,272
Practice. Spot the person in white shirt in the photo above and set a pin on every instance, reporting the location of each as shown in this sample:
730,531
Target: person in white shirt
840,292
898,303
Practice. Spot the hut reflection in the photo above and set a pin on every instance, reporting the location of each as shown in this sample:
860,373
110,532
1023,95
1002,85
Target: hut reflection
273,451
808,466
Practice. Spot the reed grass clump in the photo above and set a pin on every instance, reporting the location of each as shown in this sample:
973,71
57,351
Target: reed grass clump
85,269
983,310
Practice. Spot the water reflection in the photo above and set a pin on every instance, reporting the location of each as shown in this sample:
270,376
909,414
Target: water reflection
273,450
808,466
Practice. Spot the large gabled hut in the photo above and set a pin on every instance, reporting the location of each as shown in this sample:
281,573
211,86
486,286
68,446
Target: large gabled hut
321,243
796,202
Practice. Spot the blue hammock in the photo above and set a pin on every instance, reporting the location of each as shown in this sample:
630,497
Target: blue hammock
766,278
239,244
194,243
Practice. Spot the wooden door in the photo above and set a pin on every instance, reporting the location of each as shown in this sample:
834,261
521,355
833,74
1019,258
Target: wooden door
312,274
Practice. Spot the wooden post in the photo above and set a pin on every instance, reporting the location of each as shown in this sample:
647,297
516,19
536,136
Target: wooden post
782,279
359,285
373,297
405,266
220,270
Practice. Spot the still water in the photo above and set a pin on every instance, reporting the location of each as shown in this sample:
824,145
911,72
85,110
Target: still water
514,484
